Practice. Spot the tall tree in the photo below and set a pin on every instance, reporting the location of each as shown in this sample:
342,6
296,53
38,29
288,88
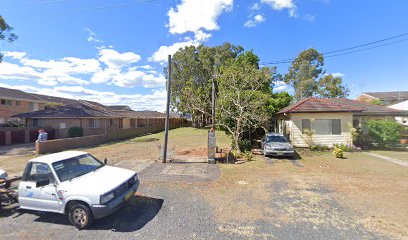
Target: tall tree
6,33
330,86
304,71
279,101
244,91
307,77
193,69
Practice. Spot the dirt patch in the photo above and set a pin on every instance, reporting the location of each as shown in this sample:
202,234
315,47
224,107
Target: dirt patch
195,152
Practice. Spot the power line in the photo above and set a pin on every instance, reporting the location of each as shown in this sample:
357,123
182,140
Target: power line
91,8
345,50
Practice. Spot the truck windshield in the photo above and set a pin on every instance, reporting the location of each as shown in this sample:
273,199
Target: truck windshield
276,139
70,168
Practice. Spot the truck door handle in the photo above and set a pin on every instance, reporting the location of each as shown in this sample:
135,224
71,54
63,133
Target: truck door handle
28,187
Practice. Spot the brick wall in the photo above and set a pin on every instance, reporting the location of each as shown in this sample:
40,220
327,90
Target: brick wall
6,111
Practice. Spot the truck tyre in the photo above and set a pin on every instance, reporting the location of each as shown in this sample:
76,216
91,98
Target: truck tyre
80,215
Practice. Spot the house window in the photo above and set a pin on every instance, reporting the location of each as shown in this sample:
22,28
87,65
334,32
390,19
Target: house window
37,122
114,122
6,102
306,125
327,126
17,103
94,123
31,106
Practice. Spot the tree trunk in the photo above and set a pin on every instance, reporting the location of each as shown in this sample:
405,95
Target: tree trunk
236,140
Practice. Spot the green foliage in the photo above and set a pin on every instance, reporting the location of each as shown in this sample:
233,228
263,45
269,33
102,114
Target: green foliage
243,94
75,132
338,153
245,145
248,156
330,86
308,78
319,148
384,132
6,33
309,137
344,147
376,102
278,101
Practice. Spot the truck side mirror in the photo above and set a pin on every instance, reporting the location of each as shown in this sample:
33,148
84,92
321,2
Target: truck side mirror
105,161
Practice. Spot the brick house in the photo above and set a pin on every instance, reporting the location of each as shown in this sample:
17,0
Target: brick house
14,101
331,120
93,119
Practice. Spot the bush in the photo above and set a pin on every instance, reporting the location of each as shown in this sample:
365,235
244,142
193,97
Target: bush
344,147
75,132
338,152
248,156
245,145
319,148
384,132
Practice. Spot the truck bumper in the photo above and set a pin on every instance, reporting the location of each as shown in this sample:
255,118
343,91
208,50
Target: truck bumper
101,211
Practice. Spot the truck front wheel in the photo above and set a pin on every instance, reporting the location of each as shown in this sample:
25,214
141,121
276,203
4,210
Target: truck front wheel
80,215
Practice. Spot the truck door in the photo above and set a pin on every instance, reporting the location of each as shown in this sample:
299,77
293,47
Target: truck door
37,189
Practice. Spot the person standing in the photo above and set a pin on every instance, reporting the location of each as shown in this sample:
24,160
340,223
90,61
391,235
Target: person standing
42,136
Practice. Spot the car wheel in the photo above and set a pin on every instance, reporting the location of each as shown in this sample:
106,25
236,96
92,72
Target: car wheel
80,216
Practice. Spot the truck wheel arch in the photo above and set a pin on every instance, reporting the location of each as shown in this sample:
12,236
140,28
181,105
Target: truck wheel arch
73,201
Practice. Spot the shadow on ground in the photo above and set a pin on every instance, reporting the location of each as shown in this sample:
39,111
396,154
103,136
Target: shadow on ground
295,160
133,216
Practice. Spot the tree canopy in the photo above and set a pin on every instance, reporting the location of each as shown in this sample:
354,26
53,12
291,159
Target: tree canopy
6,33
308,78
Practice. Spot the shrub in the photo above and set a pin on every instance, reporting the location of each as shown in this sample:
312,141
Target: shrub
344,147
245,145
75,132
338,152
248,156
384,132
319,148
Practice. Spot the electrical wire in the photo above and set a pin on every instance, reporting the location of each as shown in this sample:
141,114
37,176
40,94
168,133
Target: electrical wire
346,50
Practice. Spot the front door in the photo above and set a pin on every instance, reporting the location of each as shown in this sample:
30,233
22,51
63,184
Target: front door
37,190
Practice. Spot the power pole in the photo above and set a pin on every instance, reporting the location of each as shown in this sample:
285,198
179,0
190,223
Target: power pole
213,105
166,129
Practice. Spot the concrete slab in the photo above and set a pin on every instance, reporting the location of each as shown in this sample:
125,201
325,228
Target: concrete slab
393,160
180,172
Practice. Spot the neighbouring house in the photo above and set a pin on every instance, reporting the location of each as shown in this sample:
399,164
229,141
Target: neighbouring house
94,119
330,120
14,101
384,98
401,106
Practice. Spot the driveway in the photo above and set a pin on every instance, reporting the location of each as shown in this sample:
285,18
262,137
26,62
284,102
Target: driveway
17,149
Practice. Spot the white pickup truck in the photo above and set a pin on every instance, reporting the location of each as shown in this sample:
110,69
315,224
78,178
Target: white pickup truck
77,184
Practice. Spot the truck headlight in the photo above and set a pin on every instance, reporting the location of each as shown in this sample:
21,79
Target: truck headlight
107,197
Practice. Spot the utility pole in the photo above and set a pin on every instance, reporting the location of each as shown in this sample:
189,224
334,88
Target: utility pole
213,105
166,129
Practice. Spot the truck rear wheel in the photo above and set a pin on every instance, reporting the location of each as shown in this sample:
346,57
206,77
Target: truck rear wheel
80,215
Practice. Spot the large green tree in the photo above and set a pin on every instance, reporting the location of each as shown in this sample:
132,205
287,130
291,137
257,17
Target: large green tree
243,94
278,101
6,33
330,86
193,69
307,77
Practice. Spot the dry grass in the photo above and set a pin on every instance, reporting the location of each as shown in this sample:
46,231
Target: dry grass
401,155
372,192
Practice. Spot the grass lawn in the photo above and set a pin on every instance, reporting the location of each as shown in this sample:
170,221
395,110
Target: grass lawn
401,155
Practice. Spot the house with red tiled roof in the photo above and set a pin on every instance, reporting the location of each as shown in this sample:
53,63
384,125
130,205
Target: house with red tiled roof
331,120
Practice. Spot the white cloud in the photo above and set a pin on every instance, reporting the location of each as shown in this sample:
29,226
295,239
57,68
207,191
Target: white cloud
161,55
282,4
338,74
254,21
15,55
201,36
153,100
114,59
280,86
193,15
92,36
255,7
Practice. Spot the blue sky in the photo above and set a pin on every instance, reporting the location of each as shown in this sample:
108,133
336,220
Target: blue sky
113,51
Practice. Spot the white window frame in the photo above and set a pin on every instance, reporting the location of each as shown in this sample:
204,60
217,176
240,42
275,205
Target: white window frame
94,123
312,122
